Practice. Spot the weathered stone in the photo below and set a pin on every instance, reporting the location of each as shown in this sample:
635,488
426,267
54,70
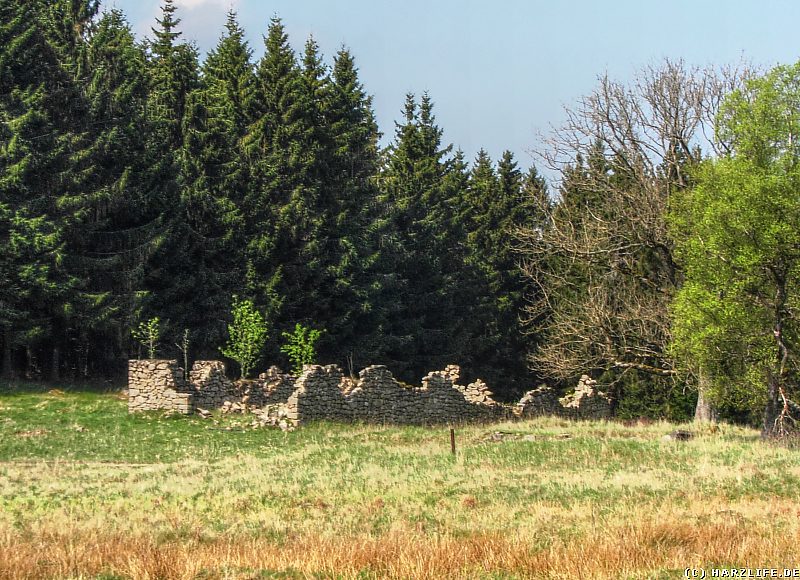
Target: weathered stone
586,402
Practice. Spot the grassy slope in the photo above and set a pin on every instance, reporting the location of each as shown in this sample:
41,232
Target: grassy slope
87,491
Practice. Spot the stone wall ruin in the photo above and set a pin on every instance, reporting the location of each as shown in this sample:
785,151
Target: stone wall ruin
324,393
158,384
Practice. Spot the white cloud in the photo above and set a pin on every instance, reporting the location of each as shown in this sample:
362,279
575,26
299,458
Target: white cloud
194,4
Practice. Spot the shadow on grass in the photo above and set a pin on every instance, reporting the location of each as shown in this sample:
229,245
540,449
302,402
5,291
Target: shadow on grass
27,387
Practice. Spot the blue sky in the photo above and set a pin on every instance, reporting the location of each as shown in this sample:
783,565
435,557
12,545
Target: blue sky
500,72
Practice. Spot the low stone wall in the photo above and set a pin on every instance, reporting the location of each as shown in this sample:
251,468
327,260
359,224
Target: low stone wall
540,402
585,402
376,397
158,384
323,393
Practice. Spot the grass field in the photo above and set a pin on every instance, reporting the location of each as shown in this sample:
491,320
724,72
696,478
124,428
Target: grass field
87,491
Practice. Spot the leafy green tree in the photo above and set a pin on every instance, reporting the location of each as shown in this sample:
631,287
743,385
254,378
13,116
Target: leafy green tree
148,334
247,335
737,234
299,346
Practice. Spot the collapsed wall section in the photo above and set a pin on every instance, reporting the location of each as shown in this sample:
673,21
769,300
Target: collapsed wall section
376,397
158,384
210,384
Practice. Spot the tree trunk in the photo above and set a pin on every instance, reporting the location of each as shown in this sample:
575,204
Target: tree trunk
704,411
772,413
55,369
8,363
775,414
29,363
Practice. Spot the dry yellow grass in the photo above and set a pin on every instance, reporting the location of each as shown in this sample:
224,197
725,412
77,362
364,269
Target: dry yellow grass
636,548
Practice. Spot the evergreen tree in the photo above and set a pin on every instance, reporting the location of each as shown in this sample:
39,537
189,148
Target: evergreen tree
68,25
229,67
349,249
172,281
259,205
496,206
111,247
281,201
214,182
44,185
173,74
417,257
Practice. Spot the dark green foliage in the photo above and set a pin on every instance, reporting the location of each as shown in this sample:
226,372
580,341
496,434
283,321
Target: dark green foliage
122,230
45,187
172,282
214,182
419,317
137,184
498,204
348,246
278,197
637,395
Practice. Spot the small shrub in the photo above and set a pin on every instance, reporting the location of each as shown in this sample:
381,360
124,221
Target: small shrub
247,335
147,334
299,346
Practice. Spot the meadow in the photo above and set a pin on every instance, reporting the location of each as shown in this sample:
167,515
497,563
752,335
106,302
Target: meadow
88,491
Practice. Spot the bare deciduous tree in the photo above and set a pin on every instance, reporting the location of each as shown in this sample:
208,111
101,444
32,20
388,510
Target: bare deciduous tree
604,265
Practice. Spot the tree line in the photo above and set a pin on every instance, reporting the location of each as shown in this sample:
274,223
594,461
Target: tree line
138,181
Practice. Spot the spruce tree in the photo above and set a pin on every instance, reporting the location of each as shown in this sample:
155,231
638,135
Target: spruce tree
45,185
171,281
418,255
111,247
281,222
214,180
349,245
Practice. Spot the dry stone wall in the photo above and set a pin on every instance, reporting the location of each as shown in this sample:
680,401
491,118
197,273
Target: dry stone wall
586,402
541,401
275,387
211,386
158,384
323,393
